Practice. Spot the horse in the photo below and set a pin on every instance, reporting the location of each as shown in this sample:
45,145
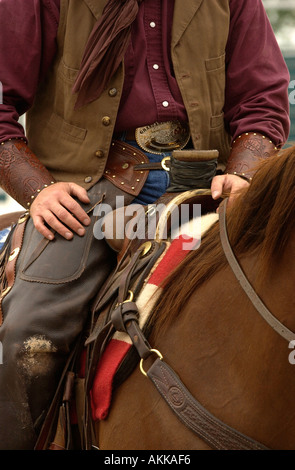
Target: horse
205,326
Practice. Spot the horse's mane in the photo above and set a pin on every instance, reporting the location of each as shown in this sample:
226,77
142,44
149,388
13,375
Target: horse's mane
262,216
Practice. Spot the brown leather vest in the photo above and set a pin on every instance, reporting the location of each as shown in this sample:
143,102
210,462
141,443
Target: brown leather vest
74,144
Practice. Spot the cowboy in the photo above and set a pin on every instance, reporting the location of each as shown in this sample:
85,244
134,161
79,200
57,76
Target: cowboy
96,79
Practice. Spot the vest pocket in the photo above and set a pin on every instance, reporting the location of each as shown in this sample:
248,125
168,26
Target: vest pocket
219,138
217,121
215,70
68,130
215,63
66,72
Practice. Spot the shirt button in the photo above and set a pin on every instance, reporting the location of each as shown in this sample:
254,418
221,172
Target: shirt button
113,92
106,120
155,66
88,179
152,24
165,104
99,153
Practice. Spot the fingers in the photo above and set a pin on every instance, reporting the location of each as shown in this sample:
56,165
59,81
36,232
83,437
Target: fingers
54,209
217,187
79,192
227,185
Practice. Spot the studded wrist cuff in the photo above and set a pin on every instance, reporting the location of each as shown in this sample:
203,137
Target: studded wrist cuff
21,173
246,153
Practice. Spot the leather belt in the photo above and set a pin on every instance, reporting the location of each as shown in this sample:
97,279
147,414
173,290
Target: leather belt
128,135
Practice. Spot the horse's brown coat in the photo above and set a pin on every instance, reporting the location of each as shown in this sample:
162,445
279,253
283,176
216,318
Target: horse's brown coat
209,332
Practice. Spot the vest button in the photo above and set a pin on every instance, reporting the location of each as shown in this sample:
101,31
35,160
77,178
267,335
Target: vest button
106,120
113,92
88,179
99,153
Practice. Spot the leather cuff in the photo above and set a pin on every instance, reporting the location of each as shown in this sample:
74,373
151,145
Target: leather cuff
248,150
22,175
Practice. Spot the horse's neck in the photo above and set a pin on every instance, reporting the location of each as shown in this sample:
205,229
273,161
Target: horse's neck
277,289
231,359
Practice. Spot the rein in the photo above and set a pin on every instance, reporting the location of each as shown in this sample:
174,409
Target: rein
245,284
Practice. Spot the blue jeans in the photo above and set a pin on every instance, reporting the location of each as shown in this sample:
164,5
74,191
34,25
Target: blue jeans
3,234
157,181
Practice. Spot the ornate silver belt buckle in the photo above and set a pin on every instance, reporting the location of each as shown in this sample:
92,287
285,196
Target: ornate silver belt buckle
163,136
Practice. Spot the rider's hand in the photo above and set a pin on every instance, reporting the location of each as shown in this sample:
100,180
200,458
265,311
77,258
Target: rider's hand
227,184
54,207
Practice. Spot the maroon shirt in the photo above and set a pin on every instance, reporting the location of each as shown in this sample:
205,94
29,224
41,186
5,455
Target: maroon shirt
256,74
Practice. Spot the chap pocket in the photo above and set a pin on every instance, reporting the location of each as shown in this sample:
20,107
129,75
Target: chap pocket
53,262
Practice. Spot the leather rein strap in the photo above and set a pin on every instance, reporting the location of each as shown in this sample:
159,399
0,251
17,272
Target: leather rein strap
245,284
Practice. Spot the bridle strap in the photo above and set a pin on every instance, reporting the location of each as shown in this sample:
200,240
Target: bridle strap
245,284
217,434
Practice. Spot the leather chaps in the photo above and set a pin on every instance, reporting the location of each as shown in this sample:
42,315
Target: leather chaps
43,314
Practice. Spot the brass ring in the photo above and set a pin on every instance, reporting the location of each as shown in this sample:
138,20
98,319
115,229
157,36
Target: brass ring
23,217
5,291
163,163
129,298
141,361
145,248
13,254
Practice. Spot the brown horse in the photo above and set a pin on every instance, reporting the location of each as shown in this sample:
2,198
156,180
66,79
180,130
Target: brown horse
229,358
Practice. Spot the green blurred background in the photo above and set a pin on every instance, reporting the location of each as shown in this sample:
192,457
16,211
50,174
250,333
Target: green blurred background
282,17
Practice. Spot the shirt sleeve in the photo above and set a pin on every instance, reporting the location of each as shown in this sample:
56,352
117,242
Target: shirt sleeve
257,77
27,47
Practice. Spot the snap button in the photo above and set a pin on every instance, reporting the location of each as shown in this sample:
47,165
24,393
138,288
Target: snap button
106,120
113,92
88,179
99,153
